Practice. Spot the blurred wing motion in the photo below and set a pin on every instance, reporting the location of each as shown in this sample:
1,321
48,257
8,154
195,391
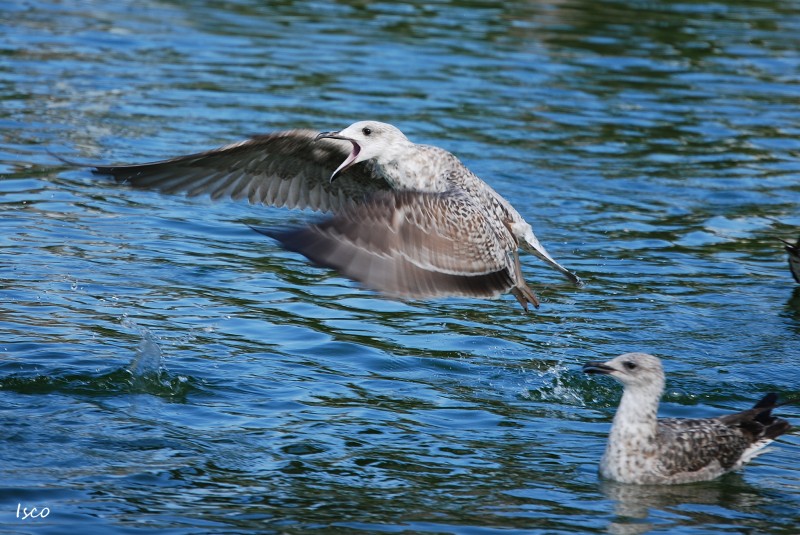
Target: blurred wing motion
288,169
415,245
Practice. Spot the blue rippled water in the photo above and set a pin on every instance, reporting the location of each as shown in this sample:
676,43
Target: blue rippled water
163,368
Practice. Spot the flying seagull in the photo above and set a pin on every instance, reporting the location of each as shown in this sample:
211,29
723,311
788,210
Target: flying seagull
643,449
794,257
409,221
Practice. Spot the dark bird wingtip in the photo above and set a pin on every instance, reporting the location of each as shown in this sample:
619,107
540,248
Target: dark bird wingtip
769,400
269,232
286,236
96,169
67,161
102,170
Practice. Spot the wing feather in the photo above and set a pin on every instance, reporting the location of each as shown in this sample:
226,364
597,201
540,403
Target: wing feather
413,245
697,443
288,169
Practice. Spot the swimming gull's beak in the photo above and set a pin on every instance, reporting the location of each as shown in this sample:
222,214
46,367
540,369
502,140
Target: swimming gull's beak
350,159
598,367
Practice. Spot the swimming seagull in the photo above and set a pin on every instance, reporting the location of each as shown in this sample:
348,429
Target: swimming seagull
643,449
794,258
410,221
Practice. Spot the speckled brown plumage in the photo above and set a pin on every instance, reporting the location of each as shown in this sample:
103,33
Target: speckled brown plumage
410,221
406,243
643,449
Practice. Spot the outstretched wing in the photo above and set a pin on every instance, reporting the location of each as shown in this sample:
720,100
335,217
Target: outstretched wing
412,245
288,169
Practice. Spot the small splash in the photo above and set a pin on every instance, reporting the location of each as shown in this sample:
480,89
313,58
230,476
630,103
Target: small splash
148,359
113,383
145,374
557,383
677,395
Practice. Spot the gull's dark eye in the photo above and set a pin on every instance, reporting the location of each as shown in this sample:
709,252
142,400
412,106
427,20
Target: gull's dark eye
366,131
629,365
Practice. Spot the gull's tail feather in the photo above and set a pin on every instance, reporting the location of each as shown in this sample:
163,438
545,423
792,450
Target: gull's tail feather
773,426
759,421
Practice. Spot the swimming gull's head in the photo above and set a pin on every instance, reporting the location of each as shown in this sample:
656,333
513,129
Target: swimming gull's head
371,140
633,370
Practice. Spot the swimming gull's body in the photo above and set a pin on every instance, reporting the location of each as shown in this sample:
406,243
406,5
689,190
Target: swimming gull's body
410,221
643,449
794,258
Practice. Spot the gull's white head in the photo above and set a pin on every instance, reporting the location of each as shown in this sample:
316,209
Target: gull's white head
635,370
371,140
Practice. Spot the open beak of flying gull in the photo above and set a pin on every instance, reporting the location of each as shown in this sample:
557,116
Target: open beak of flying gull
350,159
